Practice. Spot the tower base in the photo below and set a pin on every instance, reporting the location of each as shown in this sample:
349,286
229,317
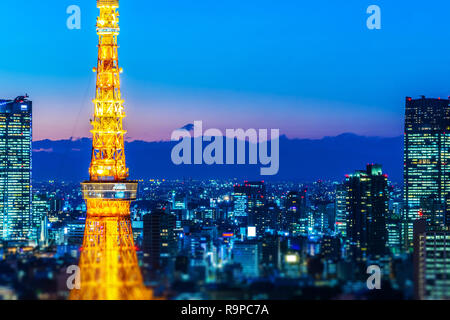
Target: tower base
108,264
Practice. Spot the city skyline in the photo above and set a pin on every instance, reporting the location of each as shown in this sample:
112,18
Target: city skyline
311,70
334,204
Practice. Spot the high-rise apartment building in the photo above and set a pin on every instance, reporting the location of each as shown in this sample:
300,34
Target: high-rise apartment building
15,169
426,162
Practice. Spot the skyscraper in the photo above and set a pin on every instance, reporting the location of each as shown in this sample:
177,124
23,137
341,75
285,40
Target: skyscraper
367,207
296,217
341,210
160,241
255,192
427,162
239,202
330,248
41,207
246,254
15,169
431,261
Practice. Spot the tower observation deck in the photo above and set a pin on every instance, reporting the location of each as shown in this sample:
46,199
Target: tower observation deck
108,263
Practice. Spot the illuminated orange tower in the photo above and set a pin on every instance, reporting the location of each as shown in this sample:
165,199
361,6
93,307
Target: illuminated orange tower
108,263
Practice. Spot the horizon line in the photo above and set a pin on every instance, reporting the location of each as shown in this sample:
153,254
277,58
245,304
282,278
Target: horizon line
281,136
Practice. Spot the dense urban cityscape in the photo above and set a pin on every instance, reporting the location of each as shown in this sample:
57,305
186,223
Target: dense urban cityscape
360,237
228,239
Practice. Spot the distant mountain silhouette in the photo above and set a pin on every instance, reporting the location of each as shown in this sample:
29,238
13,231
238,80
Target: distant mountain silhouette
329,158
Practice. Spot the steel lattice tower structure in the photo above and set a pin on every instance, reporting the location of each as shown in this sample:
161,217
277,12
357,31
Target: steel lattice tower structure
108,263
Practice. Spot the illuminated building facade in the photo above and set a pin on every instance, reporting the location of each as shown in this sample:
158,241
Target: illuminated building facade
426,163
255,193
179,202
296,217
179,207
330,248
271,251
15,170
246,254
108,262
41,207
431,261
367,207
393,227
341,210
74,232
160,240
240,203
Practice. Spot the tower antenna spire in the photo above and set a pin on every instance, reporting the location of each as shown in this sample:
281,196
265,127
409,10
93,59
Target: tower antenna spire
108,263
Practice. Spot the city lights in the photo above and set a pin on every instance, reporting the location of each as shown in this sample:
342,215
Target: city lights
162,183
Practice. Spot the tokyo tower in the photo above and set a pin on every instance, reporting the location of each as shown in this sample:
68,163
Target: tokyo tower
108,263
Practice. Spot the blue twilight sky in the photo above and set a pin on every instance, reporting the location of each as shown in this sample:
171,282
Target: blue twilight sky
309,68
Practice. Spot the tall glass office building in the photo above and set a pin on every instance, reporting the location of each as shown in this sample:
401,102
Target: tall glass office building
341,210
367,205
427,162
15,169
254,195
431,261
